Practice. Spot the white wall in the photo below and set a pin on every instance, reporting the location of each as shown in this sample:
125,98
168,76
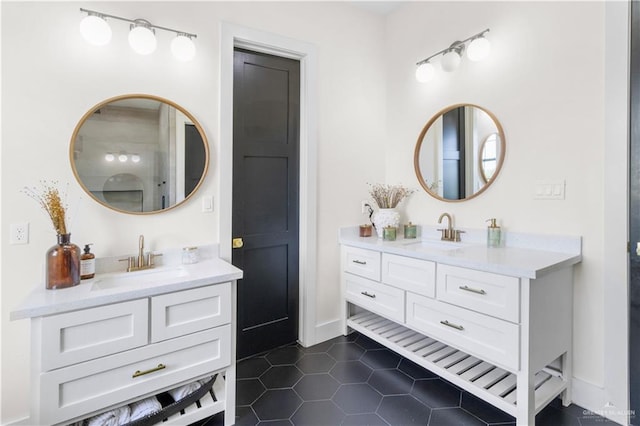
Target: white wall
51,77
545,82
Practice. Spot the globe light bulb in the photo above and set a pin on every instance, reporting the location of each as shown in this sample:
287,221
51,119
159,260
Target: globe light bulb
142,39
450,61
425,72
478,49
95,30
135,158
183,48
109,157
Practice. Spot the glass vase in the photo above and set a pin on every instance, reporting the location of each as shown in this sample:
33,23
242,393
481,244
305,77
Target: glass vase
63,264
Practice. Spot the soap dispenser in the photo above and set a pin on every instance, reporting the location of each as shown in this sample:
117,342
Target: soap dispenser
493,233
87,263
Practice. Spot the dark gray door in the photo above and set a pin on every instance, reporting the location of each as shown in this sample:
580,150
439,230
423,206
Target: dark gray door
453,154
266,116
634,218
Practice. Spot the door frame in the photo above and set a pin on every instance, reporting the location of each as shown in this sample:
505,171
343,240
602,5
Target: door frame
232,36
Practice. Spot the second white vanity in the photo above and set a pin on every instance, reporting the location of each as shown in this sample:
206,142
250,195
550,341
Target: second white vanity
496,322
123,337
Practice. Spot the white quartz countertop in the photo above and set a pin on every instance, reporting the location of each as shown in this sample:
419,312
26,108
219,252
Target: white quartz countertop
122,286
528,256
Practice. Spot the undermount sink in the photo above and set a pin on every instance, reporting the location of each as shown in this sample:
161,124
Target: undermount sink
148,276
437,244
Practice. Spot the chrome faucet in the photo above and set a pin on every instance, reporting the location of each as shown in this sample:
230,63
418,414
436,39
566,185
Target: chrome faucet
138,263
448,233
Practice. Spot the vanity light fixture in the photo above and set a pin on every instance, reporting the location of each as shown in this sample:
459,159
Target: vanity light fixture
96,30
477,47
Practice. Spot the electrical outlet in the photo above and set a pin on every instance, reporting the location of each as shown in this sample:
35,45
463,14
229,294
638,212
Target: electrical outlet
19,233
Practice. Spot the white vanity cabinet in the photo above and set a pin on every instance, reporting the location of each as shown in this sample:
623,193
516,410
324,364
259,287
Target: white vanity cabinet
502,337
90,360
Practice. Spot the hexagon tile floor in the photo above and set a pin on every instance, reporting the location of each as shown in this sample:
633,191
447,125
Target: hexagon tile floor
353,380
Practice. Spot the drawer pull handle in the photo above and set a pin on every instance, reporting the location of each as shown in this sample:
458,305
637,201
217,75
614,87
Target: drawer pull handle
151,370
472,290
360,262
448,324
364,293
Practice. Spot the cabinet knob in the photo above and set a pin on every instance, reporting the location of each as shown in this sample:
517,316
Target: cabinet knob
237,243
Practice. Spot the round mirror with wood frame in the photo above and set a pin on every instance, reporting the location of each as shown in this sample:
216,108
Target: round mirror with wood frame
454,158
139,154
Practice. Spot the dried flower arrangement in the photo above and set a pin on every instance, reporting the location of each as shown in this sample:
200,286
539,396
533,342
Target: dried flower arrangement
388,196
48,196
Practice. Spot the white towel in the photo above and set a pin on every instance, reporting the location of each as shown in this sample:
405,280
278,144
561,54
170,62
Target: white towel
144,408
179,393
117,416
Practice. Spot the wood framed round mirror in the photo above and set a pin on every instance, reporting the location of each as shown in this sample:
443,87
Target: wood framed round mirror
459,152
139,154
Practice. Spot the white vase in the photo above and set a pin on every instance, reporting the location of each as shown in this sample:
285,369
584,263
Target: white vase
385,217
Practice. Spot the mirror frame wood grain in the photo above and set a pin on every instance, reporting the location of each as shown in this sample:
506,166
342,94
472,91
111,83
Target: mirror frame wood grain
423,133
106,102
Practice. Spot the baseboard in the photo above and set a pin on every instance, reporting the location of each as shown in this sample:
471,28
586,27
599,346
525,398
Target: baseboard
593,399
327,330
20,422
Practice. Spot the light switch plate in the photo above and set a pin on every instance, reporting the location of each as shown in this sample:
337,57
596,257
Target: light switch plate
207,204
549,190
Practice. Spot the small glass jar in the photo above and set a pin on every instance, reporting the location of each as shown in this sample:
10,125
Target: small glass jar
389,233
189,255
365,230
410,230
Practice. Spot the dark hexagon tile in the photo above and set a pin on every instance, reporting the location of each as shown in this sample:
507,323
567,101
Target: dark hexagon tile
252,367
215,420
414,370
351,372
551,416
357,398
483,410
285,355
282,376
404,410
316,386
369,419
277,404
348,351
454,416
391,382
381,358
315,363
248,390
368,343
318,413
276,423
436,393
245,417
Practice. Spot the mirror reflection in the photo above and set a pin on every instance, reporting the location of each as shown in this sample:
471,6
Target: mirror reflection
459,152
139,154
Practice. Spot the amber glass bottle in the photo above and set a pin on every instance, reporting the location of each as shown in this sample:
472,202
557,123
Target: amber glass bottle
63,264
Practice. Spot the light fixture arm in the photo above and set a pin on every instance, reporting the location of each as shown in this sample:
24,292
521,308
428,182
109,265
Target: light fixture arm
458,46
137,22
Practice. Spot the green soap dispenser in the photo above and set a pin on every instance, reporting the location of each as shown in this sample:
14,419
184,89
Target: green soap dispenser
493,233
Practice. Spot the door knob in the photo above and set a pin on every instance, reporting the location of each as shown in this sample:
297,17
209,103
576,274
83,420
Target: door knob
237,243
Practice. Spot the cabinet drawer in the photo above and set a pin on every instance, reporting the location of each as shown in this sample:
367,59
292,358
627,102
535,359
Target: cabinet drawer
375,297
83,335
491,339
99,384
365,263
491,294
189,311
410,274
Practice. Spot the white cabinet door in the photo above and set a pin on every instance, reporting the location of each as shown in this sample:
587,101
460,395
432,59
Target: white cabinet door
189,311
491,339
485,292
415,275
87,334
